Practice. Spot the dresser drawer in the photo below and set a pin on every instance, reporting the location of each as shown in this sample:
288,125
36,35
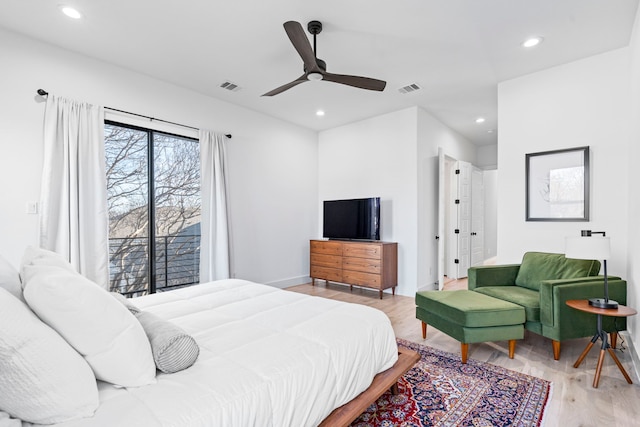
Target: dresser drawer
326,273
324,247
323,260
368,265
363,250
362,279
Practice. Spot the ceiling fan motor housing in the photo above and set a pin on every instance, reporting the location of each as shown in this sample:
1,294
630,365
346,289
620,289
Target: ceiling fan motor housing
314,27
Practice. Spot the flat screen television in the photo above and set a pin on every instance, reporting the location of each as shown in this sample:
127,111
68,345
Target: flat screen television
352,219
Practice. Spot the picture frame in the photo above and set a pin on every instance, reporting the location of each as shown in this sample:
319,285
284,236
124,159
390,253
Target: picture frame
557,185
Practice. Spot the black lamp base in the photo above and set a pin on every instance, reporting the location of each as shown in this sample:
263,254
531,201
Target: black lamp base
603,303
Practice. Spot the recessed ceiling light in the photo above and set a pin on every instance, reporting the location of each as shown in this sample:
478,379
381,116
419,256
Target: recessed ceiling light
480,120
532,41
71,12
319,113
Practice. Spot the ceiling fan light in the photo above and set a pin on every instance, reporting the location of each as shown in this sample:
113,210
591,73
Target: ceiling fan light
314,76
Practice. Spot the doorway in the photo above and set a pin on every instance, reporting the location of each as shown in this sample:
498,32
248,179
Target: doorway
462,208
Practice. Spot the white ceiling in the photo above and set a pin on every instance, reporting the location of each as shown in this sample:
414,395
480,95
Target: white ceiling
456,50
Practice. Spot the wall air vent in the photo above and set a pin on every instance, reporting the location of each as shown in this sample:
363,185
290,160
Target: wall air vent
230,86
409,88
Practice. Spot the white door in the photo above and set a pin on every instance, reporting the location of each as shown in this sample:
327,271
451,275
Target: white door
477,216
452,214
466,216
458,226
441,217
463,229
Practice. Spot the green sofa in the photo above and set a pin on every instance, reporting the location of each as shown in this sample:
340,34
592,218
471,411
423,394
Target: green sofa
542,283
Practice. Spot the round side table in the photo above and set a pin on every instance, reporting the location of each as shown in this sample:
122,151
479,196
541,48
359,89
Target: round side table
621,311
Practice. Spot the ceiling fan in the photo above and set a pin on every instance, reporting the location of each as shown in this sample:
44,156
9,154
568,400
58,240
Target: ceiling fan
316,69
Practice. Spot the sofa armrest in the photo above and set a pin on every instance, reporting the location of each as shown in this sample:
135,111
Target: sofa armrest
555,293
492,275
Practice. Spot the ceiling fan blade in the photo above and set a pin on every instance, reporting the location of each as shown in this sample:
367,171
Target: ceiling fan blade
301,79
356,81
301,43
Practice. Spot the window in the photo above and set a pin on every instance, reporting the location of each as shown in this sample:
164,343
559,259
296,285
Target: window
153,189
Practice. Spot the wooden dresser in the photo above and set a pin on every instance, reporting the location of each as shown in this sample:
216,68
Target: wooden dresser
369,264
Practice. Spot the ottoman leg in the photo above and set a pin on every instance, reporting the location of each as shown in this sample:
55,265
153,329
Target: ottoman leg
512,348
424,330
464,349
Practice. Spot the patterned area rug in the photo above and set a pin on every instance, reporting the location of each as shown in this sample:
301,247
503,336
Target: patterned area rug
440,391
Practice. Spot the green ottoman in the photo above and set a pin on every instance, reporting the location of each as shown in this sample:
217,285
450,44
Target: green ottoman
471,317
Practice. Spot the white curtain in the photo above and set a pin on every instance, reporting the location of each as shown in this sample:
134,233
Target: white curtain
214,226
73,202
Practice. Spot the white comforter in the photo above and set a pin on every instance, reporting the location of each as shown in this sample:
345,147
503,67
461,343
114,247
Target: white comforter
268,357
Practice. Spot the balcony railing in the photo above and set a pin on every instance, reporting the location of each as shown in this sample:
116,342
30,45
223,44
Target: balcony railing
177,263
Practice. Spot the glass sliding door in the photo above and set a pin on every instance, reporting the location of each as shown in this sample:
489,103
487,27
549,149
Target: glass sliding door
176,211
153,183
127,153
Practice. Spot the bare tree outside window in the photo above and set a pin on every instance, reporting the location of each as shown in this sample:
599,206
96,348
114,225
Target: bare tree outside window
175,251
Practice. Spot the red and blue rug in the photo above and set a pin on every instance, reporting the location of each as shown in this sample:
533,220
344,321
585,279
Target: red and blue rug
441,391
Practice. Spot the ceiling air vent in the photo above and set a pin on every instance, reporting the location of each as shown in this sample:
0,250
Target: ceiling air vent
409,88
230,86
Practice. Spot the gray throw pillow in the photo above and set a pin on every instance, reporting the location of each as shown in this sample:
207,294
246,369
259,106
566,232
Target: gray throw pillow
173,349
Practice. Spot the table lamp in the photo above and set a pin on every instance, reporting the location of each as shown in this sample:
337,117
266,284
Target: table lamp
589,247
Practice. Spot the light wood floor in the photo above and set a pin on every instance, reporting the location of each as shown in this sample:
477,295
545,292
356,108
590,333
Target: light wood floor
574,402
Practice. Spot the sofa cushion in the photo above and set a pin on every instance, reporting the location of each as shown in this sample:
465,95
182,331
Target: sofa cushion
524,297
469,308
539,266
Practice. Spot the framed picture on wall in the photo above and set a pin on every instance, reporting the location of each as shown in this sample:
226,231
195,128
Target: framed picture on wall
557,185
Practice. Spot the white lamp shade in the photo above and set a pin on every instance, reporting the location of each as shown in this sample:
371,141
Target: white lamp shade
594,247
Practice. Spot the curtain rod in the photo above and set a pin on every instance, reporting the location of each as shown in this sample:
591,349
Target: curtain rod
43,92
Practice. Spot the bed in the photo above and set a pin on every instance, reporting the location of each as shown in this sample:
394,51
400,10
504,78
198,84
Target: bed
267,357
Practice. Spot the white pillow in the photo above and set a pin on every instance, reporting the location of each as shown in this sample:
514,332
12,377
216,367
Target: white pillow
93,322
44,380
10,279
39,256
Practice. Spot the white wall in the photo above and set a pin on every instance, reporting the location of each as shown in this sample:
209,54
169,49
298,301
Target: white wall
578,104
490,213
393,156
272,164
488,157
376,157
633,230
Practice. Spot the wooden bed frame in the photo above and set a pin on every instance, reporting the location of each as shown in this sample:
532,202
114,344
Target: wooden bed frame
345,414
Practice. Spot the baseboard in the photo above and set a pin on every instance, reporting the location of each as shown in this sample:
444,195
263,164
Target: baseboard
286,283
635,360
428,287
